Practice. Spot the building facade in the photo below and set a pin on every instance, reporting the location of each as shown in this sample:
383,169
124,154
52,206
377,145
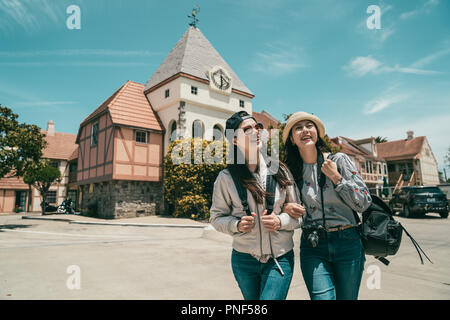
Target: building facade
410,161
15,195
371,166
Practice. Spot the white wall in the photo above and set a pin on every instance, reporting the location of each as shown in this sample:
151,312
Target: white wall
429,166
207,106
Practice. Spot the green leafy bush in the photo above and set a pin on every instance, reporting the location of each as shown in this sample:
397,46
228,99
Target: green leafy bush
190,168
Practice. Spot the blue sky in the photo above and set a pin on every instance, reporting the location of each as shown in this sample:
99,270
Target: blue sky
313,55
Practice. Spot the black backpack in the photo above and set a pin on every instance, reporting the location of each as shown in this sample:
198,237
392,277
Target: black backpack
381,235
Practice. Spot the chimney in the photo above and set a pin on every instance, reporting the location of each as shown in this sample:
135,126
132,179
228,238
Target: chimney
410,134
50,128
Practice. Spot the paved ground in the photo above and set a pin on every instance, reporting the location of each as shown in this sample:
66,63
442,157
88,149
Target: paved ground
137,262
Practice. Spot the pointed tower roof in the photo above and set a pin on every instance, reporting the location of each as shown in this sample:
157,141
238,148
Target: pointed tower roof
193,55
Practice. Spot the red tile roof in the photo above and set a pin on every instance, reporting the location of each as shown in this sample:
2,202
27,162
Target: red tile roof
13,183
401,149
266,119
60,145
129,106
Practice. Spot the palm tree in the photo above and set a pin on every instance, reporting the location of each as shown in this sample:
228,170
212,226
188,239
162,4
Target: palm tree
380,139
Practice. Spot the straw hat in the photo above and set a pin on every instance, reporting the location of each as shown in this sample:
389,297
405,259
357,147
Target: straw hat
299,116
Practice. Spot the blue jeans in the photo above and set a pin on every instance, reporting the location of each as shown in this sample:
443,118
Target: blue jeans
262,281
333,269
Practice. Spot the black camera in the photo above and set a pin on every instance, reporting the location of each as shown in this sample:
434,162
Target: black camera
313,233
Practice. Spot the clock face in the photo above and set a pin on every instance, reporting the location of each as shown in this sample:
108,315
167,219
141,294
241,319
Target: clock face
220,79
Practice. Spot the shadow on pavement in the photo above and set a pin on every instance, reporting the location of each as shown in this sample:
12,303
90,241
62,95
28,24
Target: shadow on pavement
13,226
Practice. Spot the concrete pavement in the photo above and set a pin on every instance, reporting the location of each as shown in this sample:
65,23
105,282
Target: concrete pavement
42,259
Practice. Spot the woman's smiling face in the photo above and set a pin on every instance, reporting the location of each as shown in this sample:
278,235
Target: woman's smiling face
303,134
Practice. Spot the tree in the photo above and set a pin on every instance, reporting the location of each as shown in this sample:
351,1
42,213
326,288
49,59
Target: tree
380,139
21,144
42,175
447,158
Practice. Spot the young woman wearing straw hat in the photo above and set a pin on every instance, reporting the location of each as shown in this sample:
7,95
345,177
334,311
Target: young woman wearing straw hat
331,252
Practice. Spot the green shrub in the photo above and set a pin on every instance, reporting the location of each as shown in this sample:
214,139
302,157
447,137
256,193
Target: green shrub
189,177
192,206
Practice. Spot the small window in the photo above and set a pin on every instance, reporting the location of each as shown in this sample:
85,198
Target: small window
167,93
194,90
54,164
241,103
141,136
94,133
51,197
385,170
73,167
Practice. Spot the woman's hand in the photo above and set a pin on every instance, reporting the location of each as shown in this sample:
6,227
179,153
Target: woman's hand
329,168
247,222
271,222
295,210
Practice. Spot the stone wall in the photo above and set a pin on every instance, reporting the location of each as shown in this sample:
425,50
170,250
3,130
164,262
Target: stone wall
123,199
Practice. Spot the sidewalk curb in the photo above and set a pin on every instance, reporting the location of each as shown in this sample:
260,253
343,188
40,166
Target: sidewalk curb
48,219
130,224
136,224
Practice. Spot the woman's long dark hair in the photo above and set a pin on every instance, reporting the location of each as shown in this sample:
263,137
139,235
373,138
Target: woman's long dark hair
249,182
294,160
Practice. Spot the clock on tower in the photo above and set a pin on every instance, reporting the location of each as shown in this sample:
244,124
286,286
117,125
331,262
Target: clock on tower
220,80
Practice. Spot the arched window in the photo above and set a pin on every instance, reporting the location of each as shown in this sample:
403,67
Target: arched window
217,132
172,131
197,129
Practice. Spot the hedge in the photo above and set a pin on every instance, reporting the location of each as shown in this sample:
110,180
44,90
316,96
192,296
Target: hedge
189,185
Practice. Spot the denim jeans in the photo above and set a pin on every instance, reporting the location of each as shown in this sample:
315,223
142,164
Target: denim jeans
262,281
334,268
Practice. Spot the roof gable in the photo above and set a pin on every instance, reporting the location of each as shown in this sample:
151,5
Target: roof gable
128,106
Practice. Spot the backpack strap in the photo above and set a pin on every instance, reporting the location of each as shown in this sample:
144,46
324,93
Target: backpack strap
416,245
271,184
242,194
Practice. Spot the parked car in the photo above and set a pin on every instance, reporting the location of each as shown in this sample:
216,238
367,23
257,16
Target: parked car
419,200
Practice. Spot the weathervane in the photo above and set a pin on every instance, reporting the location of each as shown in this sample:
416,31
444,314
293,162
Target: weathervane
194,16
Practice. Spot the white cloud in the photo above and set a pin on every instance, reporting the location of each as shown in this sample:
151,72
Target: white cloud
425,8
361,66
279,59
382,103
430,58
30,15
43,103
78,52
40,64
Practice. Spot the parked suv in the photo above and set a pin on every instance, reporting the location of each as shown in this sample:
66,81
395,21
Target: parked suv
418,200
